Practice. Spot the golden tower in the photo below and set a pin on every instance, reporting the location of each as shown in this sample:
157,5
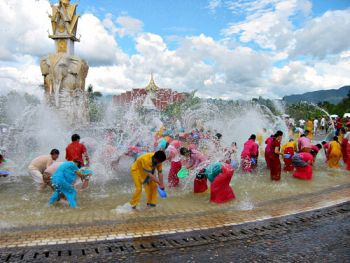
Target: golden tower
151,87
64,21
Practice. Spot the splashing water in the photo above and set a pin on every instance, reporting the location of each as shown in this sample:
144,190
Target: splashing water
37,129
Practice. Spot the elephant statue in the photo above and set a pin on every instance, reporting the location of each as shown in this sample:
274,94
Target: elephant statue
63,72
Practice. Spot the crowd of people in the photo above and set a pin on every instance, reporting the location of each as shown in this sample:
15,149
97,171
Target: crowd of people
199,153
319,126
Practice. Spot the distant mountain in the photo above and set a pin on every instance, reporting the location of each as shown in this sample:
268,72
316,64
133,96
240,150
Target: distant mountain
333,96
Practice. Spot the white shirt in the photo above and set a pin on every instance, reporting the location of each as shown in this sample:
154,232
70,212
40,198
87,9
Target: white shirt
347,136
323,122
301,122
315,122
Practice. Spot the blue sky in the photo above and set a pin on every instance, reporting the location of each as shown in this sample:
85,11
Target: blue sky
222,48
183,18
165,18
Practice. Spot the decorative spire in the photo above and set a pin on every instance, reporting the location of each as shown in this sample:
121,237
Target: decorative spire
152,85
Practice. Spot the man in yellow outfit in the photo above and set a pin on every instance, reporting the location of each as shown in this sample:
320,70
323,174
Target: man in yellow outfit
143,173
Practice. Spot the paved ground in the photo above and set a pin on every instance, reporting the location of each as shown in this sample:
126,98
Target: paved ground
151,223
317,236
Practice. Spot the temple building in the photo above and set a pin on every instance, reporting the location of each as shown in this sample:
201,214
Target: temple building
151,97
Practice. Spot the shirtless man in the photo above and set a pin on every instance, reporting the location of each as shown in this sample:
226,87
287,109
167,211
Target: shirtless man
37,166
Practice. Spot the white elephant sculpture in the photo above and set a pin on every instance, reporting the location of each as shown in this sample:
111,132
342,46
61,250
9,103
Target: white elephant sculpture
63,72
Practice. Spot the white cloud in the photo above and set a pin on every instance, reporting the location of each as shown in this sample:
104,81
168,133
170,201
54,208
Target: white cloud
97,45
213,5
267,22
299,76
328,34
216,68
129,26
109,79
150,44
24,26
23,76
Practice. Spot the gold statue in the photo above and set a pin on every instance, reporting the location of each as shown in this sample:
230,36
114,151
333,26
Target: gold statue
64,20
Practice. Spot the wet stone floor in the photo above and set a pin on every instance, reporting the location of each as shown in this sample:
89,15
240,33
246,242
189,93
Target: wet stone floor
321,235
184,227
151,223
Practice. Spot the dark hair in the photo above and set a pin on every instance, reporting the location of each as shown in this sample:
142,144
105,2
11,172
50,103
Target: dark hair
343,130
335,138
303,135
201,174
55,151
319,146
75,137
218,135
323,142
183,151
78,163
160,156
252,137
278,133
313,153
1,157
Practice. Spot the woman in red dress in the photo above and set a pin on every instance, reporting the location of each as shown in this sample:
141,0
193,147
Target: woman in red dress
303,168
268,142
275,152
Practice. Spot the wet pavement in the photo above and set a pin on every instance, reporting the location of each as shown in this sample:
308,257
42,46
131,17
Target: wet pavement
316,236
152,224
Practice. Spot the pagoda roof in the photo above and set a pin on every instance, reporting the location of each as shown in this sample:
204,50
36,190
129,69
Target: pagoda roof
151,85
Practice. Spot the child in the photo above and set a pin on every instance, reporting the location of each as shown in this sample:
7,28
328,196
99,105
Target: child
175,163
289,149
63,180
195,159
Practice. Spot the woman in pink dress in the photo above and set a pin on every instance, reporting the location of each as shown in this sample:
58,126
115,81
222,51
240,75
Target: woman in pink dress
249,155
175,162
194,159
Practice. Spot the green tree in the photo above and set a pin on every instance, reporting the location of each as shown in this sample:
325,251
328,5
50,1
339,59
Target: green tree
96,107
268,103
93,95
343,106
177,109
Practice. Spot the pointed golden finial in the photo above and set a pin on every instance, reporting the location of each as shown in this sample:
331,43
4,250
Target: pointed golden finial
152,85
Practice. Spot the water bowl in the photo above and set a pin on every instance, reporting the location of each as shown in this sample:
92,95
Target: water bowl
183,173
162,193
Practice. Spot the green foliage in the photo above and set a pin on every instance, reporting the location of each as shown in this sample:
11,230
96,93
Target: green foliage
342,107
177,109
304,110
96,108
268,103
12,104
93,95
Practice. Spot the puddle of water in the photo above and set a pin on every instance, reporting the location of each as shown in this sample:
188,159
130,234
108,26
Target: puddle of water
23,205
